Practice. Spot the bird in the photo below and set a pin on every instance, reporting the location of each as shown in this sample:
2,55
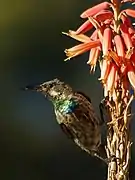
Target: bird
75,115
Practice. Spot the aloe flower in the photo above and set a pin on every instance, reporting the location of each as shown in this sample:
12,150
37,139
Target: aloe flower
111,45
113,37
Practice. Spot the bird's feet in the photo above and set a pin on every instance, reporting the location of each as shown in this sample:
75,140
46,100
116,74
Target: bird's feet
112,158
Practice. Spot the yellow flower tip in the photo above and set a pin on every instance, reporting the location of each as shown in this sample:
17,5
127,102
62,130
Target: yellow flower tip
93,68
106,57
99,79
69,54
102,81
65,51
67,59
79,37
65,33
72,32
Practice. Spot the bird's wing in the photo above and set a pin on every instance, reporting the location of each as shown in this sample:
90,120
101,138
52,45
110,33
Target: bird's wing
81,93
67,131
86,110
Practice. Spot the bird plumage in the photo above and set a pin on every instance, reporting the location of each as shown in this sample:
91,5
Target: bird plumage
75,114
82,122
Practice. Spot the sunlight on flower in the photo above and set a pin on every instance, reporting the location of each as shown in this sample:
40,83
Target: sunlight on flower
114,37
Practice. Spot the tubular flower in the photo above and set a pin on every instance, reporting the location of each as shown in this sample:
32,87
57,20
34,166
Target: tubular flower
81,48
94,10
93,57
114,37
86,26
105,70
107,41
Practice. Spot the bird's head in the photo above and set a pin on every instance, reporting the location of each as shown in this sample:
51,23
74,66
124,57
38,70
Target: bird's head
54,89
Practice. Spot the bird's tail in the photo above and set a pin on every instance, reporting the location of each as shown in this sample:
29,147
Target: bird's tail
100,153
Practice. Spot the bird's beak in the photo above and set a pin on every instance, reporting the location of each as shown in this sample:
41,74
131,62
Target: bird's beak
37,88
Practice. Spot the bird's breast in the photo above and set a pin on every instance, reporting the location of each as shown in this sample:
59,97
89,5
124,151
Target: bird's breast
85,133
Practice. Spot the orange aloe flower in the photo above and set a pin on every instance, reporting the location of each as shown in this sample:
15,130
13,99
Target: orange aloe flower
94,10
114,37
81,48
86,26
93,57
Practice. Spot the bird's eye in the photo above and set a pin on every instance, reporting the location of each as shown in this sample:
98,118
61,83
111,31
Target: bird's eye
51,85
60,93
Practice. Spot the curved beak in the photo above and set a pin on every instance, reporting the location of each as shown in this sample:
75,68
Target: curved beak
37,88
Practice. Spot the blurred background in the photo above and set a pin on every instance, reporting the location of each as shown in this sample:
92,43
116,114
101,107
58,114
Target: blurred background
32,146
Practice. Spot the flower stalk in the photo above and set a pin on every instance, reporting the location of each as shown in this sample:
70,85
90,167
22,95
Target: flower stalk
114,37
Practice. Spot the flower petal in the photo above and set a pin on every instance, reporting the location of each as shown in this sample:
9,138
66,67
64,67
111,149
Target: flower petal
93,57
111,78
131,30
119,47
94,10
107,41
125,19
94,35
133,58
125,87
133,40
131,75
115,57
97,26
81,48
86,26
105,69
103,15
79,37
130,12
126,36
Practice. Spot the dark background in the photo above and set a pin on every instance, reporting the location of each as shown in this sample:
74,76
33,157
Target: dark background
32,146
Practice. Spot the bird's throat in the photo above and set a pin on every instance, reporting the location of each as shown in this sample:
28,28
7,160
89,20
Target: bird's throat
65,106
